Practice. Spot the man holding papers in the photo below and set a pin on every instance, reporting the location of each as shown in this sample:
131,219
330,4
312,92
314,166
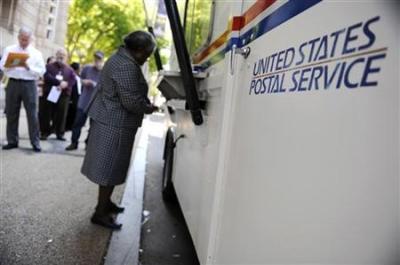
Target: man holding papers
58,82
23,64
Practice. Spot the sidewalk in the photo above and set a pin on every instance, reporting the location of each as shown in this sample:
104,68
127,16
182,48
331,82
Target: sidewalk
46,204
154,232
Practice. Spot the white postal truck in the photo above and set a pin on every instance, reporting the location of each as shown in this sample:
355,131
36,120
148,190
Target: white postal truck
282,140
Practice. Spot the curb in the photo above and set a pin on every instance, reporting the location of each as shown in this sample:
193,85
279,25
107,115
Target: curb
124,244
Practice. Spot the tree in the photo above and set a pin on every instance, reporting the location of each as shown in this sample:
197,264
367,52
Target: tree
162,43
197,24
100,25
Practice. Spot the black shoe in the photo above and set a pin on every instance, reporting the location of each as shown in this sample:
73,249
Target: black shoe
113,208
72,146
105,221
61,138
43,137
37,149
9,146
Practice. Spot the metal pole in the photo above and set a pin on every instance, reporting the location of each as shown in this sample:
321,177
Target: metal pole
157,56
189,84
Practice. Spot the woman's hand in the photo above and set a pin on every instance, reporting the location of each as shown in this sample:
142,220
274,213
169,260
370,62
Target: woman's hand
155,108
152,108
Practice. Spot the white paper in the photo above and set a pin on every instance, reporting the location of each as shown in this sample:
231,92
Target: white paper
78,84
54,94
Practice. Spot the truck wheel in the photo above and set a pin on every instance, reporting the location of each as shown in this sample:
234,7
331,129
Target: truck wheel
168,192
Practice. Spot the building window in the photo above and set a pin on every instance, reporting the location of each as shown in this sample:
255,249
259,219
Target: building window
52,20
7,10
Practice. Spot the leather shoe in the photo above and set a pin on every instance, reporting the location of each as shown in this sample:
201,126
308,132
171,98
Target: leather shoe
43,137
61,138
37,149
105,221
113,208
72,146
9,146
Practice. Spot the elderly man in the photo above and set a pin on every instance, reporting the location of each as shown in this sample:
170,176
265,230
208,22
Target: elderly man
22,87
90,77
61,76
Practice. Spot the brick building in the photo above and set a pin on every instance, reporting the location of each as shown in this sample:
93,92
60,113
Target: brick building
46,18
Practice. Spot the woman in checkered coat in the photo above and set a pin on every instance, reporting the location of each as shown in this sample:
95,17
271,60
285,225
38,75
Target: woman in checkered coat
116,113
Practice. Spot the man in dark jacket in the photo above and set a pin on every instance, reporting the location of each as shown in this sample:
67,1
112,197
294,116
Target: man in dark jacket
90,77
73,100
58,76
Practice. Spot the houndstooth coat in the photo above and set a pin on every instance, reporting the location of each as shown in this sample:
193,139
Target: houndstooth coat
116,112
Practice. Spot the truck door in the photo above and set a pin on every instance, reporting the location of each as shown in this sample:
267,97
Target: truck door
313,172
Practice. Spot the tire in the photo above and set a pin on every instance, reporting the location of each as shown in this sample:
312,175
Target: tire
168,192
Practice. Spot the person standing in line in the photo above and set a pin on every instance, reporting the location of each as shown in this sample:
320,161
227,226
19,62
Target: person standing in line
90,77
3,85
116,113
73,100
43,108
22,87
50,59
59,75
1,72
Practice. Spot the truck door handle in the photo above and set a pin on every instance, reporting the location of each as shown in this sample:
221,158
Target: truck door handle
245,52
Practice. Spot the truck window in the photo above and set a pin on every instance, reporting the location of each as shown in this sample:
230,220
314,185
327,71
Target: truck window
198,18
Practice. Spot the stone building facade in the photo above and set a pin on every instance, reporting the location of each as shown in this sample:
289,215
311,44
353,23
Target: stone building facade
46,18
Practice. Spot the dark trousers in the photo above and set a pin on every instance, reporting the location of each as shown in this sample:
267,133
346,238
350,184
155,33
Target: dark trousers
71,115
26,92
53,115
72,109
80,120
45,116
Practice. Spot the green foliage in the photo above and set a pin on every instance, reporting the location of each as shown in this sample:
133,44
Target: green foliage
100,25
162,43
197,24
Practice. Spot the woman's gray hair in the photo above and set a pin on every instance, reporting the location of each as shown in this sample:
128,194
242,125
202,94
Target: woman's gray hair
139,41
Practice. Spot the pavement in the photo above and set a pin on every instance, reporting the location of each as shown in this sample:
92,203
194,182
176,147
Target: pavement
46,204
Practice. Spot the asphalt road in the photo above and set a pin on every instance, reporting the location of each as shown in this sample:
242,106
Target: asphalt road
165,239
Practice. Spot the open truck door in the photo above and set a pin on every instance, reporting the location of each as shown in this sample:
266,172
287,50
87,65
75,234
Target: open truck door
297,161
